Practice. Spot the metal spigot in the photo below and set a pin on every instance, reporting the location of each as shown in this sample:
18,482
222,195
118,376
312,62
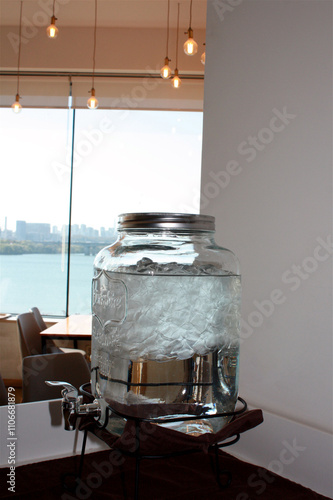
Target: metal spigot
72,406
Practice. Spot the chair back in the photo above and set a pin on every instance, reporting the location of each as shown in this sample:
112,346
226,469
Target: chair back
38,317
69,367
3,393
30,339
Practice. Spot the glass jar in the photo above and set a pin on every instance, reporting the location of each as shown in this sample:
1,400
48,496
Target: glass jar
166,314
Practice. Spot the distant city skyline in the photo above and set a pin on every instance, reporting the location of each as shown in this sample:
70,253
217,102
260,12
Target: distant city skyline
151,162
41,231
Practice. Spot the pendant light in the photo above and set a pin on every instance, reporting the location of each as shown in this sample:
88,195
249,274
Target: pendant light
190,46
176,81
16,106
92,102
52,31
166,70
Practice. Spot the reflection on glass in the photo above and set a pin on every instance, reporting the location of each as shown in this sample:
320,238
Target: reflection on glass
127,161
124,161
34,209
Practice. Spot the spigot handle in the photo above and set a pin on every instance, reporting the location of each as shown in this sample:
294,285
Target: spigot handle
69,391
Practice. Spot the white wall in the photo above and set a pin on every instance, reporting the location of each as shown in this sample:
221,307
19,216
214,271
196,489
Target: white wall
273,199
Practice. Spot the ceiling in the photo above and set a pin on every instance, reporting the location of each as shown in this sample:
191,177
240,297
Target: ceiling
110,13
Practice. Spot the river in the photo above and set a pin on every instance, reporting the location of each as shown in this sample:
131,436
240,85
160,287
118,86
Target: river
41,280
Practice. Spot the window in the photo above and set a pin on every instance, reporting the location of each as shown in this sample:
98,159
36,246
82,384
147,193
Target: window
33,260
124,161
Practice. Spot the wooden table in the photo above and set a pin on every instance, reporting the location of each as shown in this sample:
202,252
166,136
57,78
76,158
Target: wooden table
75,327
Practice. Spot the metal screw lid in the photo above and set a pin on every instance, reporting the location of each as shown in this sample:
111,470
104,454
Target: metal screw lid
160,220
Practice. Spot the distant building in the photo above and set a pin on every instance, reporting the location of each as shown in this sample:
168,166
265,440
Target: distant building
32,231
21,230
38,231
41,232
7,234
111,234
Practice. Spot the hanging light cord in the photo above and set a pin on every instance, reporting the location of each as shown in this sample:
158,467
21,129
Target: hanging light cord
19,53
177,38
53,7
167,42
94,55
191,13
70,94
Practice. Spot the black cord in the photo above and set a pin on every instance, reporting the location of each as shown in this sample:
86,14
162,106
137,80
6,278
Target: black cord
19,53
177,38
167,43
94,54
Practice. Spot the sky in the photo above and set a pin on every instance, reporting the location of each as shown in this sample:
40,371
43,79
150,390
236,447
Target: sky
125,161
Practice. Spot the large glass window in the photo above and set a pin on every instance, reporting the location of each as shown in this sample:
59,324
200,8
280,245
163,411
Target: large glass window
34,208
124,161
